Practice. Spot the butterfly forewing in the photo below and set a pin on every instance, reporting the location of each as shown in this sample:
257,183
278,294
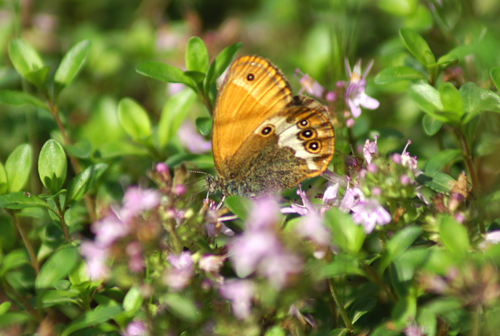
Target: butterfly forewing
253,91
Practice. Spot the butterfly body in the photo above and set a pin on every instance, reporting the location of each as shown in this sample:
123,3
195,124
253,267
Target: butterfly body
264,139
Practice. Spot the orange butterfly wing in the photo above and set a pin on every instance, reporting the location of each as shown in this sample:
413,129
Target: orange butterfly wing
253,91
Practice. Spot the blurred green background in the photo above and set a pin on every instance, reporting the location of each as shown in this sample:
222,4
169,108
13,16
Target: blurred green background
315,36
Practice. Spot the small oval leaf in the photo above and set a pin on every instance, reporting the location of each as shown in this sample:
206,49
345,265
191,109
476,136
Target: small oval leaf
70,65
164,72
24,58
21,200
431,125
18,167
196,55
204,125
52,166
19,98
134,119
417,46
60,264
82,182
397,74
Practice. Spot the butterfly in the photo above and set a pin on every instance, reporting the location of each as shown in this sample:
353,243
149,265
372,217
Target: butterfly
264,139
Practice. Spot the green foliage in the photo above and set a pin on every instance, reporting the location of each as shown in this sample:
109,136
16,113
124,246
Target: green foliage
52,166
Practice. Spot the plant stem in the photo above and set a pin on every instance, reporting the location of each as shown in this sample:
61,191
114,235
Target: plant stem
374,275
74,162
60,214
340,306
170,227
27,243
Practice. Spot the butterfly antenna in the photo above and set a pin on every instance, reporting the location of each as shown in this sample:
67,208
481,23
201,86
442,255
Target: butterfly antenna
197,172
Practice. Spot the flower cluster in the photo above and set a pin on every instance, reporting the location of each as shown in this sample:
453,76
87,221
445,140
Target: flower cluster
118,223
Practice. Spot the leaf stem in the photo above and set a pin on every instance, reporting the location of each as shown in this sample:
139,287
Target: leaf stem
60,215
376,278
74,162
343,313
27,243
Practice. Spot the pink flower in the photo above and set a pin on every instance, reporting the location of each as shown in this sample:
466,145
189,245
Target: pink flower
109,229
137,200
264,214
240,293
309,84
136,328
311,226
369,149
95,259
191,139
331,192
351,198
355,91
181,272
211,263
276,268
407,160
370,213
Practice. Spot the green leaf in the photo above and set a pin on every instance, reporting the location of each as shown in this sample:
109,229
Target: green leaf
405,310
452,100
197,77
431,125
437,181
240,206
91,318
360,308
81,149
164,72
21,200
477,100
18,167
495,77
14,259
346,235
181,306
339,332
17,98
81,183
60,264
119,148
134,119
398,244
441,159
196,55
397,74
429,100
204,125
201,161
70,66
55,297
38,77
220,63
4,307
4,182
52,166
172,115
342,264
13,318
417,46
24,58
132,301
454,236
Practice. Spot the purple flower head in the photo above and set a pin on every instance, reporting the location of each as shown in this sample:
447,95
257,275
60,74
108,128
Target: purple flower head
311,226
95,259
249,249
369,149
134,251
276,268
371,168
355,92
370,213
182,262
211,263
492,237
109,229
351,197
396,158
309,84
330,193
240,293
404,180
161,168
136,328
349,123
181,272
306,207
137,200
264,214
413,330
191,139
330,96
407,160
180,189
376,191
